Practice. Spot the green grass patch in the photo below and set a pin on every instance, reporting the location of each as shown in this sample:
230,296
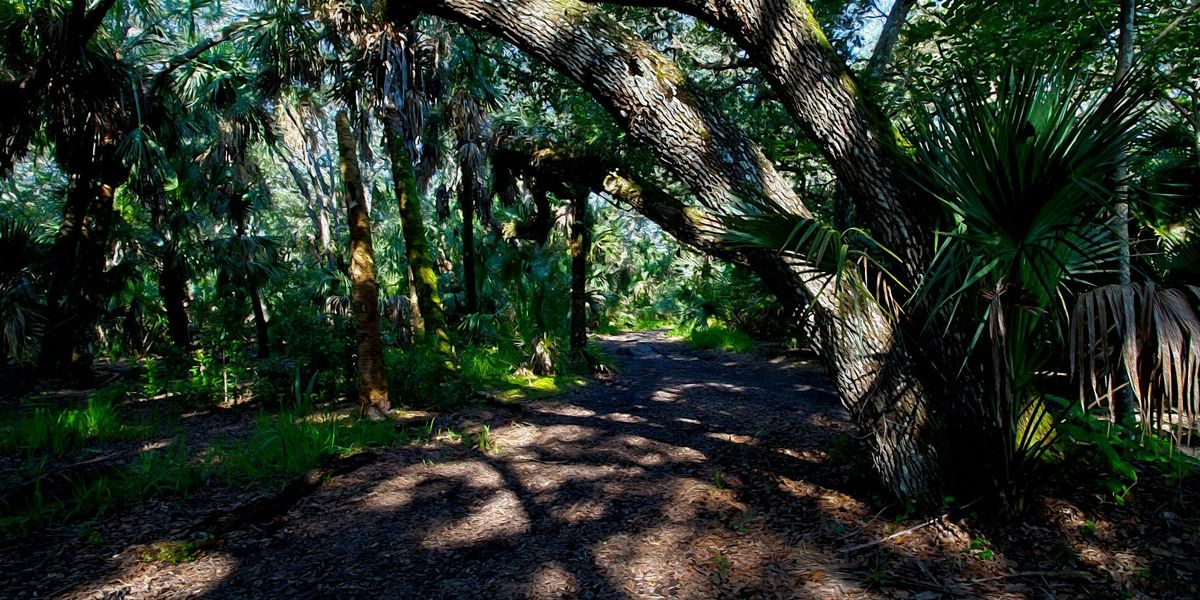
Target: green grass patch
59,431
715,337
293,444
495,371
166,471
642,321
280,446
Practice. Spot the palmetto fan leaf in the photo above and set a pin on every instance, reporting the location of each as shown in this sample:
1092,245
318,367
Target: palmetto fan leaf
19,301
1155,343
1024,175
838,260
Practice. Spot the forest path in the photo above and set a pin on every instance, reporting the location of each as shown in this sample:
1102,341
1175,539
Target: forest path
687,474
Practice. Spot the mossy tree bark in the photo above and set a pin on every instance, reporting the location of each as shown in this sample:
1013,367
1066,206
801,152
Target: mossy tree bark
364,293
416,246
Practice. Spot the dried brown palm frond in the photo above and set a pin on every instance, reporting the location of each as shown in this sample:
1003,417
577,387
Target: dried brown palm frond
1149,335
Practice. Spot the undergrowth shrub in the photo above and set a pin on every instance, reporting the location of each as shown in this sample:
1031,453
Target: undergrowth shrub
418,377
1112,455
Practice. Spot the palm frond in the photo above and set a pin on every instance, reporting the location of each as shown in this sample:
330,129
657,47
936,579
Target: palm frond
1147,335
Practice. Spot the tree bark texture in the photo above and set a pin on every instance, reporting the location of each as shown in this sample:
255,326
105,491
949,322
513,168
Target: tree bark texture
416,247
79,255
785,41
1124,403
892,391
364,293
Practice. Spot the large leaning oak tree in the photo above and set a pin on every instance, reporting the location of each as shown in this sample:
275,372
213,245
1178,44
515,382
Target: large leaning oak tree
920,412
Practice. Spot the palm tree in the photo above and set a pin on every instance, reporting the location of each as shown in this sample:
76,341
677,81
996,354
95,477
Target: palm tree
364,294
407,98
24,256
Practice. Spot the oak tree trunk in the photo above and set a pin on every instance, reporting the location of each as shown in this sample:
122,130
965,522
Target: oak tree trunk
890,377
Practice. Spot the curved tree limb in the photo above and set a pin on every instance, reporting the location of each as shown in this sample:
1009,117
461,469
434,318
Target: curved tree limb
785,41
646,93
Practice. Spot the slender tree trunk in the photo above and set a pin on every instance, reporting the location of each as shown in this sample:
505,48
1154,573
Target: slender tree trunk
466,203
581,241
1125,404
79,255
882,54
316,213
172,288
416,320
364,295
258,310
416,246
172,276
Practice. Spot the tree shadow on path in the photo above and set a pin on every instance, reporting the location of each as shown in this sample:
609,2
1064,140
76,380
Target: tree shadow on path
689,474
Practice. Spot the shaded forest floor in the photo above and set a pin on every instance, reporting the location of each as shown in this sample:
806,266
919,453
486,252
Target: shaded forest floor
686,474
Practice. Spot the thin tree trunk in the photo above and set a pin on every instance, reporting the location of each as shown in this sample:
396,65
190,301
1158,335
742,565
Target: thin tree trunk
364,295
416,321
416,247
316,212
581,241
466,203
172,276
1125,404
172,288
261,333
882,54
79,255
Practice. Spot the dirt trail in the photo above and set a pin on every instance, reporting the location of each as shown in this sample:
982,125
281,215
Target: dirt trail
687,474
628,487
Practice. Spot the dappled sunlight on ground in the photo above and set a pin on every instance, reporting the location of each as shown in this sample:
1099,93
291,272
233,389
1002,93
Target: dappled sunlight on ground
673,480
145,579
